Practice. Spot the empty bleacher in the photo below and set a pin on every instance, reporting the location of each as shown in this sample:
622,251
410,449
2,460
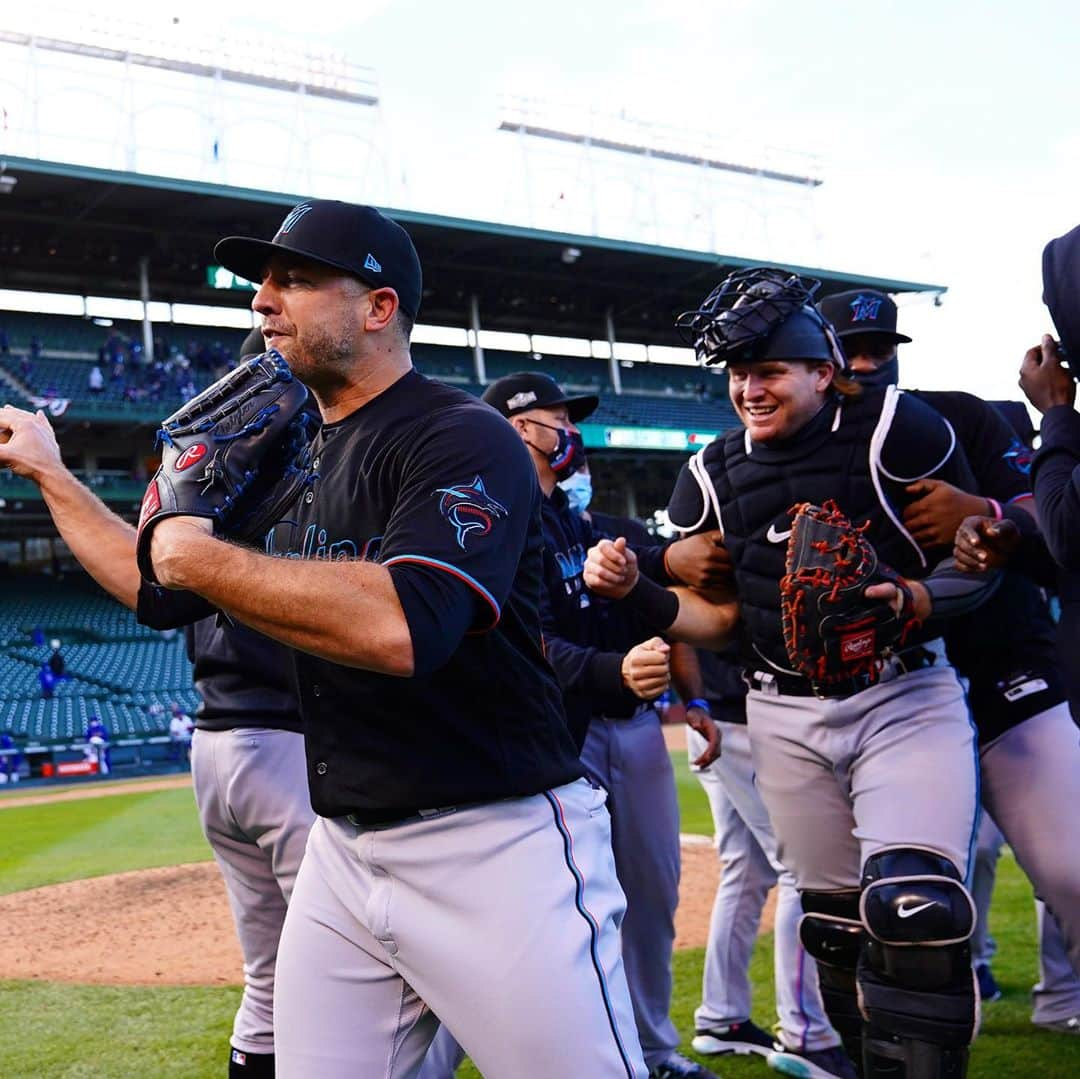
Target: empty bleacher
115,668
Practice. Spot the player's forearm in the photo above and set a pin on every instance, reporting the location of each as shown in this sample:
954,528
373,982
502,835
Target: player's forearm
701,622
686,672
345,612
103,543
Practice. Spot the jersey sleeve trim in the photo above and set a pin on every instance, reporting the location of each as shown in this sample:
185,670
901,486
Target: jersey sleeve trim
697,468
475,585
877,442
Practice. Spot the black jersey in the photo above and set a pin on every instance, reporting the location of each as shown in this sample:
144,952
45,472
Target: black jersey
585,650
243,678
437,487
1005,649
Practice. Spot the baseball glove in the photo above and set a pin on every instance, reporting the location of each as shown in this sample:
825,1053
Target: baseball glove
235,454
832,632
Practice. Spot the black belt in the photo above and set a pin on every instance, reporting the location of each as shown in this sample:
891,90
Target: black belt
391,818
793,685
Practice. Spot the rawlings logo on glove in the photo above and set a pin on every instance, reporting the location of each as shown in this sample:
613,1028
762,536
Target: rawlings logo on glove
234,453
832,631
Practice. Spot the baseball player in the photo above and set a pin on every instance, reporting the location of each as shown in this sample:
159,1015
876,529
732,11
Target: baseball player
459,862
870,783
808,1045
1028,745
610,671
247,752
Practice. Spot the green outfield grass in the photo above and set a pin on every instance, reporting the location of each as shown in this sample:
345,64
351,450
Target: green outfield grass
55,1031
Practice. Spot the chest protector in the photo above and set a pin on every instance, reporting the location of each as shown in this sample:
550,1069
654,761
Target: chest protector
841,455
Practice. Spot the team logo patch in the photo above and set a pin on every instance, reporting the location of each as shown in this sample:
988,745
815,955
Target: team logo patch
191,456
856,646
372,263
151,502
520,400
295,214
469,508
1018,457
865,308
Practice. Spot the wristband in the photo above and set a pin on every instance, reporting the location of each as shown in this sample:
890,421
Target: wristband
701,704
655,604
995,507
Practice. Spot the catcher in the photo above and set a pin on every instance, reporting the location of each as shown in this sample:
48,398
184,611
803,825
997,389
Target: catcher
859,730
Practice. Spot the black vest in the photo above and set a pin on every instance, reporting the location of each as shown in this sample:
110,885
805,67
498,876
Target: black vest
860,453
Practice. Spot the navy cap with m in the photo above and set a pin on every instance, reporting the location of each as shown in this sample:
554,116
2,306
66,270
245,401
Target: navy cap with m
862,311
357,239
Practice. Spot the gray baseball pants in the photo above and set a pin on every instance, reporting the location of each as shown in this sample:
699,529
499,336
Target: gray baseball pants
842,779
502,919
252,795
747,849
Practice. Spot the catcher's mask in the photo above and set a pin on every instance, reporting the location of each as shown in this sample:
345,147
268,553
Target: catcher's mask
760,314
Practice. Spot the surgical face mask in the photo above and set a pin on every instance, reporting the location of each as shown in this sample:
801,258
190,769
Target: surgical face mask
569,453
578,491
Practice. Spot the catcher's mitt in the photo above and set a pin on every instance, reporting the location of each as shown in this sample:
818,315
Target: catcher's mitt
832,632
235,454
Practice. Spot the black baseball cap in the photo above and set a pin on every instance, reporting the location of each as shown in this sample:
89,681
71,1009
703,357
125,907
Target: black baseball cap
357,239
531,389
862,310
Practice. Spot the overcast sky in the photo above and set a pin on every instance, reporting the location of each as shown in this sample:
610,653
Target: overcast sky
947,135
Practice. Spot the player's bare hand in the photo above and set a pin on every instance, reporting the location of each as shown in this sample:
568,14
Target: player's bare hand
171,546
1043,379
700,561
893,595
937,511
705,725
611,568
27,443
984,543
646,668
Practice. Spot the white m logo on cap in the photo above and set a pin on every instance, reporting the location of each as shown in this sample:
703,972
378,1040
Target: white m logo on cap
294,215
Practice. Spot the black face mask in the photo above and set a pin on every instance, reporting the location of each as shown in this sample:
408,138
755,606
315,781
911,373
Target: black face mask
569,453
886,374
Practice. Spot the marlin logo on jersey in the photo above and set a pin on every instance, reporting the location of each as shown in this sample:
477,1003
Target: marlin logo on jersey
1018,456
865,308
294,215
469,508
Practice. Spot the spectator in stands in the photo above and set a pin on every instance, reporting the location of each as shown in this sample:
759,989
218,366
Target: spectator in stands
56,660
35,347
11,762
37,636
180,727
96,380
5,344
26,368
48,682
97,744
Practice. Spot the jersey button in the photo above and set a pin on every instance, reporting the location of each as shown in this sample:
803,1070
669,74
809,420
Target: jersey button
320,768
309,497
315,463
316,690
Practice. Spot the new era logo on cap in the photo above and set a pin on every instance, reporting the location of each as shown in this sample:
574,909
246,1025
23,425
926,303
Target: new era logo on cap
372,263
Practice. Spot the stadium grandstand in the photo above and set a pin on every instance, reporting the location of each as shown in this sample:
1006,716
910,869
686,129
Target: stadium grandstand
112,313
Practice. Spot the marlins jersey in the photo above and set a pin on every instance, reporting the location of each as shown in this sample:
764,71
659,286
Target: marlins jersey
438,488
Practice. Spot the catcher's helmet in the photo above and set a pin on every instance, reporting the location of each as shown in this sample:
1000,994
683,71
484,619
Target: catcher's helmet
760,314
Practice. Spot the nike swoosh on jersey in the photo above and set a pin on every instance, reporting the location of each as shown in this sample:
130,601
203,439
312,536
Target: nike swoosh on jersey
777,537
907,912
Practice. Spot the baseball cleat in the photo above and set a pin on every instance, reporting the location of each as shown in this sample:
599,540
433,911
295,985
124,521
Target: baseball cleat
742,1038
832,1063
676,1066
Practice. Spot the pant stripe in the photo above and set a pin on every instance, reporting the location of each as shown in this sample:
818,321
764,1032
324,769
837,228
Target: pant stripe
594,932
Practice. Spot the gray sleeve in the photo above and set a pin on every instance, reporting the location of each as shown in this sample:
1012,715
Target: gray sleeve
953,592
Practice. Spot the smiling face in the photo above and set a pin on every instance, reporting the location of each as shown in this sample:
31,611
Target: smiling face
776,398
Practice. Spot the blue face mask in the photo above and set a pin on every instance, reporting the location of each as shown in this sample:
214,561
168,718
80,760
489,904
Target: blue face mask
578,491
886,374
